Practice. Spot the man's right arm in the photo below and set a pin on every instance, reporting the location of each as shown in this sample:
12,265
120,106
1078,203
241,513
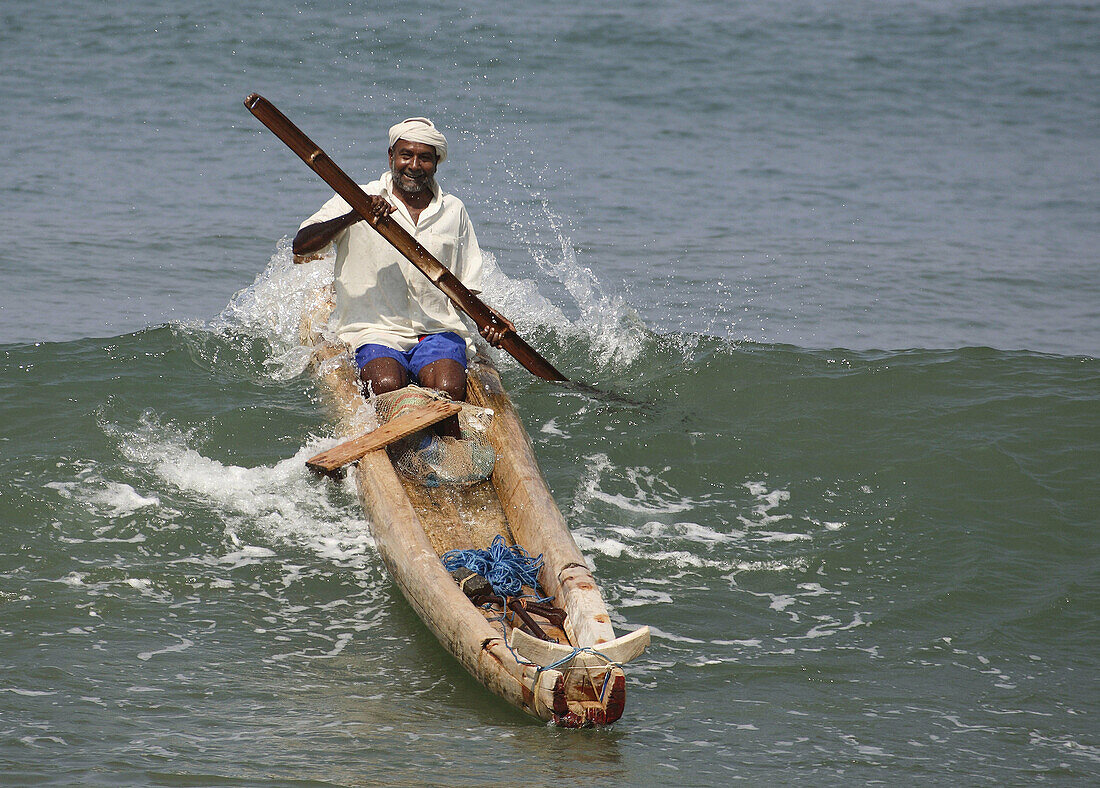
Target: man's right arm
315,237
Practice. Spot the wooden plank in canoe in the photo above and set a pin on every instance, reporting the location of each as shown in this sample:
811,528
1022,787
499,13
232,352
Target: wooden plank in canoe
458,518
332,460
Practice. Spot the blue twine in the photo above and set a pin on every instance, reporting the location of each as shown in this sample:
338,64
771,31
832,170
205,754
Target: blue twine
576,652
453,559
506,568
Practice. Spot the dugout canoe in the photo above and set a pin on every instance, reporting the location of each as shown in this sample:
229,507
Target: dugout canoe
576,682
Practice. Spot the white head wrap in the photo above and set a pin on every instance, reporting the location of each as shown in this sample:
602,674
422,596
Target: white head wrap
419,130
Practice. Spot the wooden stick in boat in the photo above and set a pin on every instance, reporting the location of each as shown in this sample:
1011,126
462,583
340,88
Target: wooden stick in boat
332,460
440,276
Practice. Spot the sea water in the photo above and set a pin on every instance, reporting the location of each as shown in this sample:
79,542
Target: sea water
832,267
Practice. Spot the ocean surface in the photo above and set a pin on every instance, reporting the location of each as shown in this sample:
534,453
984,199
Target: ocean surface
833,267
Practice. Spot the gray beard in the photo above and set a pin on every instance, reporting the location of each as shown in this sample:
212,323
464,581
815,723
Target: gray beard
412,185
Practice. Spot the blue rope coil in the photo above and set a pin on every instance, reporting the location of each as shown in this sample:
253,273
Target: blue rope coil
506,568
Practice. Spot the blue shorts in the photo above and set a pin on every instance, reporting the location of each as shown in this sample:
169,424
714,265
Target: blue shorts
432,347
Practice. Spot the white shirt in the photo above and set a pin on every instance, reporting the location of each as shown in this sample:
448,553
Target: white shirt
381,298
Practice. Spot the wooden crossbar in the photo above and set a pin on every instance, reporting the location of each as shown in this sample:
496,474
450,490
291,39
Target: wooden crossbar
332,460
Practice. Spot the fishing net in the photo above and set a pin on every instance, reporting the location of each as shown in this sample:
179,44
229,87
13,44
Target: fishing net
432,459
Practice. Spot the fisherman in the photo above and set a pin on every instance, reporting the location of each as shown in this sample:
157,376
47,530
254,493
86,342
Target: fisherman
402,327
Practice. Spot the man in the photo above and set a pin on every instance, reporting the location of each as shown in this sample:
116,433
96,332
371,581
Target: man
401,326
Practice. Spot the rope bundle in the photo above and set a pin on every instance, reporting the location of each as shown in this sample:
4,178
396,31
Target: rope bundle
506,568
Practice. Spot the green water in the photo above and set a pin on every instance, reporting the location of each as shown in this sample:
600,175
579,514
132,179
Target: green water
874,564
857,566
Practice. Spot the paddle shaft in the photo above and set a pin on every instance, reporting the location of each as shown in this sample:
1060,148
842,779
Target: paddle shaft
388,228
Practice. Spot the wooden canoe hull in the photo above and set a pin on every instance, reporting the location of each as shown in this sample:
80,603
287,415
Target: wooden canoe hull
413,526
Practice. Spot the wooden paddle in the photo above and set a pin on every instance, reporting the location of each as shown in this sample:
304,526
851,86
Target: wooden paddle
329,462
389,229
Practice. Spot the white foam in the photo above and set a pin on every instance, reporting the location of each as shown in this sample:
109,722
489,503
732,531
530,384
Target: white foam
644,596
701,533
660,634
684,559
551,428
283,501
749,643
107,499
519,299
815,589
798,564
647,493
122,499
272,307
342,640
183,645
781,602
776,536
766,501
247,556
828,628
64,489
1066,744
666,559
612,548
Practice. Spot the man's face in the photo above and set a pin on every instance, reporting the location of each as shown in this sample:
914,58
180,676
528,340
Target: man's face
413,165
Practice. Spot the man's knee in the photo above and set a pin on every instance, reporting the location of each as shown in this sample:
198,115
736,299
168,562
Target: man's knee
445,375
383,375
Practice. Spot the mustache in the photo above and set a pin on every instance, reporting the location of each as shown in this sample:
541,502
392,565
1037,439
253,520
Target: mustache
418,182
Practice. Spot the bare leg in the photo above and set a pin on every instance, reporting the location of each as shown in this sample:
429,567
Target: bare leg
446,375
383,375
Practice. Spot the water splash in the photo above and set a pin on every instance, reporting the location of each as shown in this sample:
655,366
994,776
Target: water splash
606,324
280,501
606,329
271,308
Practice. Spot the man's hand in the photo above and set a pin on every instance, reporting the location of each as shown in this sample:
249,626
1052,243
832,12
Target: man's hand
380,206
495,333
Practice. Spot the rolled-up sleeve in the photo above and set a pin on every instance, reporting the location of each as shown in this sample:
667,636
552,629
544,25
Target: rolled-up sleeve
337,206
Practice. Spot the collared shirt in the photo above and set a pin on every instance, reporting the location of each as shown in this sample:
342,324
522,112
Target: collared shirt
381,298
